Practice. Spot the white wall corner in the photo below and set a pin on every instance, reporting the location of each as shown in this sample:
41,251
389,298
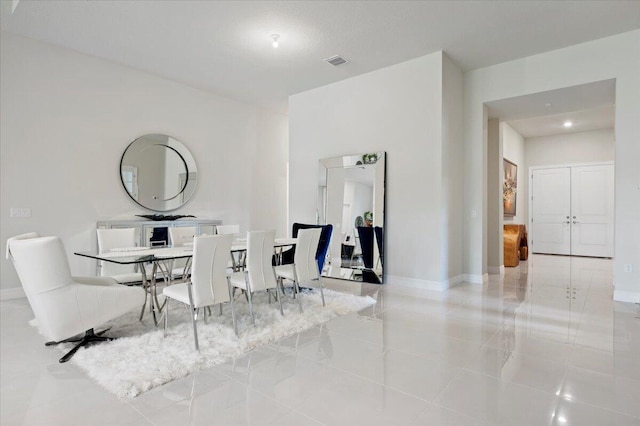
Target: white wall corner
12,293
474,278
626,296
496,270
394,280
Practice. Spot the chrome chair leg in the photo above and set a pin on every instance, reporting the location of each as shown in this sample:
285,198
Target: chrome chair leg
296,289
321,292
279,301
194,317
166,317
233,310
250,299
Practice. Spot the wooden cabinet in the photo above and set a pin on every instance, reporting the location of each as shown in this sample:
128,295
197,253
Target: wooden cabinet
515,244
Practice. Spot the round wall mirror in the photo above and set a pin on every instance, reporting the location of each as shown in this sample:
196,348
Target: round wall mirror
158,172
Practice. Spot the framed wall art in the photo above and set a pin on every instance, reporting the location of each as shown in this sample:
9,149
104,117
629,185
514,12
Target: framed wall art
509,187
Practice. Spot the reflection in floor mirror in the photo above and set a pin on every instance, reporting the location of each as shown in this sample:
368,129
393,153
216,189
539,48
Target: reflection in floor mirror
351,197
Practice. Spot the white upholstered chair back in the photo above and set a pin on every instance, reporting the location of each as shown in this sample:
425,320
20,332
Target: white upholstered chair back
26,236
209,269
114,238
227,229
305,256
181,235
42,265
259,254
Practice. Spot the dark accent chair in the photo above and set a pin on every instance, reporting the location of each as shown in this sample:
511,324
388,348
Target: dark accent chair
323,245
379,240
366,244
159,236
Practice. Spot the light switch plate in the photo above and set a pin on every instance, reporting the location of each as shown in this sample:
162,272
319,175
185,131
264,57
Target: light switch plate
20,212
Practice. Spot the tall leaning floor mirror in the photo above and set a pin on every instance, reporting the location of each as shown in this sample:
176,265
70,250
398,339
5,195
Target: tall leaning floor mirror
351,197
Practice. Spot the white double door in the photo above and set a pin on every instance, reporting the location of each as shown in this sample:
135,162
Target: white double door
572,210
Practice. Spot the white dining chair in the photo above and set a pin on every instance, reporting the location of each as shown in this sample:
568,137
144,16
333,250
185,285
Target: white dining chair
110,240
66,306
258,274
208,284
304,269
227,229
181,236
237,261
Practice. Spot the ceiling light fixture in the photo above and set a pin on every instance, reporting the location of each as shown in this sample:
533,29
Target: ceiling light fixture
567,124
275,38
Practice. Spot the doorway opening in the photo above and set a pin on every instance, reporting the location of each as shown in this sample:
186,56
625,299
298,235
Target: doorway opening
570,129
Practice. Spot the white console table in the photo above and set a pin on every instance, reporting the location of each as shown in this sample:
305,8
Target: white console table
145,227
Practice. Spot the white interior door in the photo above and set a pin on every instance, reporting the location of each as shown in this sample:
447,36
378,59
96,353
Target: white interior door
572,210
551,211
592,210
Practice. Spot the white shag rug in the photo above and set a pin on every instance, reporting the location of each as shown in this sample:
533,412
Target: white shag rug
141,358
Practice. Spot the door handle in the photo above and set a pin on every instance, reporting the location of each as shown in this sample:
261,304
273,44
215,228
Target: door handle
575,221
567,221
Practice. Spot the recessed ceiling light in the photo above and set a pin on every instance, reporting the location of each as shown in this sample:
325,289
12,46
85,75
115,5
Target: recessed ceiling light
547,105
567,124
275,38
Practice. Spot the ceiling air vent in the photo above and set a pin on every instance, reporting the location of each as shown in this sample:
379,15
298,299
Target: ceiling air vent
336,60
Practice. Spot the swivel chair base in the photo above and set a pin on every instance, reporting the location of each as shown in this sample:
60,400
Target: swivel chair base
89,338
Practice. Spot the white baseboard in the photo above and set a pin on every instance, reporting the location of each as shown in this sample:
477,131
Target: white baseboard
394,280
496,270
626,296
476,278
12,293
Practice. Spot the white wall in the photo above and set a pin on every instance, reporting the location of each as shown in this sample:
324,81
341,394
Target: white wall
513,149
452,171
611,57
67,118
495,258
580,147
399,109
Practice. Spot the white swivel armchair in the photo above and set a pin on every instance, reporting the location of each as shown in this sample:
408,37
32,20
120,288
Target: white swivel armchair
304,269
259,274
67,306
209,282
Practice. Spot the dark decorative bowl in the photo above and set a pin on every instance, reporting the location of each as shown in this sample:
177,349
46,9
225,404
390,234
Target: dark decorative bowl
164,216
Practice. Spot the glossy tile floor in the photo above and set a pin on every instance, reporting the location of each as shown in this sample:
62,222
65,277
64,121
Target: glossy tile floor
545,345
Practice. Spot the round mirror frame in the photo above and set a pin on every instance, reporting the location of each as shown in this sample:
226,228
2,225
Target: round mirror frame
138,172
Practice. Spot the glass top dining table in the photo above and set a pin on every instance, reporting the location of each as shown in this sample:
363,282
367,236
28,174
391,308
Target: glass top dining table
138,255
161,259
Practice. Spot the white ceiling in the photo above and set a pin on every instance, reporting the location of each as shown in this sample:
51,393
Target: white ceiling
225,47
583,121
588,106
